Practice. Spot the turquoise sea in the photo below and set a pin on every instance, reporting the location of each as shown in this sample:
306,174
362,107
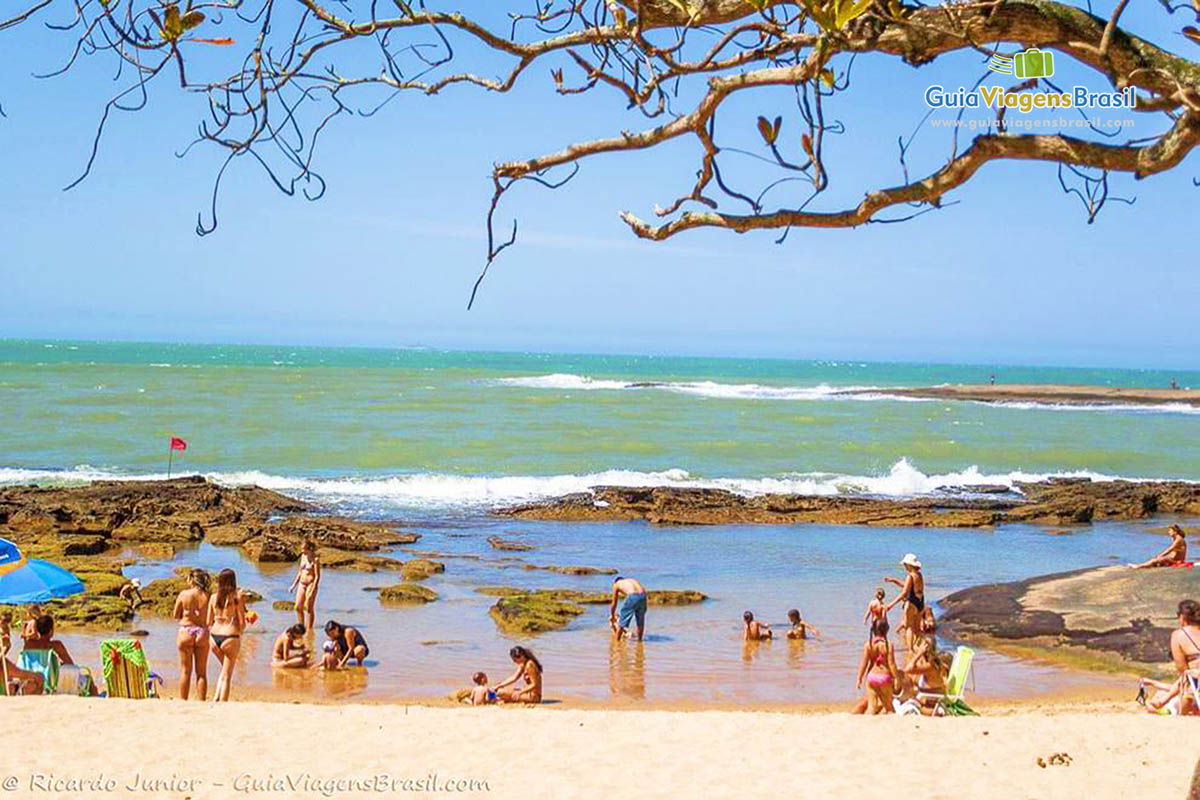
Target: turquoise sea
435,439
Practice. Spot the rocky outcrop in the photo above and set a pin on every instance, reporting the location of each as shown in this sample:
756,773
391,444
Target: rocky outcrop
1047,394
86,529
407,594
1121,615
524,612
1053,502
108,516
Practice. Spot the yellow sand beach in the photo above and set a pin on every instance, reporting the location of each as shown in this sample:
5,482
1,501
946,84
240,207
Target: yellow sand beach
53,747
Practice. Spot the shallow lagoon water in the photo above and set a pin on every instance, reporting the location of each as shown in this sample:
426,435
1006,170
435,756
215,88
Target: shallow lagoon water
692,653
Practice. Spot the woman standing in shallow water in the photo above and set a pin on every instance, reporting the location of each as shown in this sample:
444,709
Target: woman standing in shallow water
308,578
226,621
912,594
191,640
529,668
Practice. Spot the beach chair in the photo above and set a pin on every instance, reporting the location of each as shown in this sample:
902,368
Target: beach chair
126,671
45,663
951,702
57,677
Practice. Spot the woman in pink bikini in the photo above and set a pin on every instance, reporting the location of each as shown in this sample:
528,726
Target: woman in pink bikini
878,666
191,609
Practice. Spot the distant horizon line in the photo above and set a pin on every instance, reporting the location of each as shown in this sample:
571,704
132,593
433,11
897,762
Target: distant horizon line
596,354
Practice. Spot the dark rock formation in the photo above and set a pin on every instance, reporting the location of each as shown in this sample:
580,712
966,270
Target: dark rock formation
1053,502
1124,614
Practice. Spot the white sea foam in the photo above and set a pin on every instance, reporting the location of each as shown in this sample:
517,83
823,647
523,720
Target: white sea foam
751,391
755,391
442,491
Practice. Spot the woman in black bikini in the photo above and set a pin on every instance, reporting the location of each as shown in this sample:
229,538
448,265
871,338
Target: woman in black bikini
343,643
912,594
226,621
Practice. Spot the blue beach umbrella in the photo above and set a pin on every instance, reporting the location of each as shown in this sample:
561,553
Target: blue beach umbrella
31,580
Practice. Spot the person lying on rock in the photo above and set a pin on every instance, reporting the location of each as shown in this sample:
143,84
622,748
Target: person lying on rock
1174,555
753,630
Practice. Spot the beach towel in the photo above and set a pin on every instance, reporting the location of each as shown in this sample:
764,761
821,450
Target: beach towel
1184,564
45,663
126,670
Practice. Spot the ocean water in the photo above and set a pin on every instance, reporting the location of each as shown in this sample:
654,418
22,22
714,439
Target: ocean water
437,439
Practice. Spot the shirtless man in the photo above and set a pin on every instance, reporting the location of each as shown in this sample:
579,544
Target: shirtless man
1175,552
753,630
632,609
43,639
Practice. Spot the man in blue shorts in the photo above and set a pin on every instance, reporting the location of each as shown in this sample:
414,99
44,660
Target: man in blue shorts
632,609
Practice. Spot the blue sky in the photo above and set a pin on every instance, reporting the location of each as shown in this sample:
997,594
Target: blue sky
1011,274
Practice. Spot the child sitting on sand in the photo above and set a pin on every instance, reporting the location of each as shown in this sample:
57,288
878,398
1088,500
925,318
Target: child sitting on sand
800,628
753,630
481,695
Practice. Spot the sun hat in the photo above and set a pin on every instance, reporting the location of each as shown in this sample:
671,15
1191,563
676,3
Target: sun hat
910,560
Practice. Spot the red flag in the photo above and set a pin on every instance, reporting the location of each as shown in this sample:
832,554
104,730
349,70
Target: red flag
178,444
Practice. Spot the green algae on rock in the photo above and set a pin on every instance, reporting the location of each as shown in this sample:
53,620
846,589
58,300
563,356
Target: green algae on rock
500,543
527,614
407,593
421,568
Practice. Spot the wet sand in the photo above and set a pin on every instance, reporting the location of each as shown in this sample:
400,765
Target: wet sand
1044,394
268,749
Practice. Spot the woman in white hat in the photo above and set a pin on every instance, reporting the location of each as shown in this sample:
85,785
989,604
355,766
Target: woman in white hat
912,594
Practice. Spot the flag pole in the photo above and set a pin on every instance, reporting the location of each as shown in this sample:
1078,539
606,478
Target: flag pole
170,457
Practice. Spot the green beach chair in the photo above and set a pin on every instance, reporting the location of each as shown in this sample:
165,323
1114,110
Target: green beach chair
126,670
951,703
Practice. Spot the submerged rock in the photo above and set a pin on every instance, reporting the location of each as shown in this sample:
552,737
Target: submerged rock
284,605
420,568
508,544
572,570
407,593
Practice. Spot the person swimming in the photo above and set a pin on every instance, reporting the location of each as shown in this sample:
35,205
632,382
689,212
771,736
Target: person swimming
529,668
226,621
800,629
753,630
306,583
291,651
343,643
191,639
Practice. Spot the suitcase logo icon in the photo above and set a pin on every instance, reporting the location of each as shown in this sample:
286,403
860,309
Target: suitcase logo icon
1032,63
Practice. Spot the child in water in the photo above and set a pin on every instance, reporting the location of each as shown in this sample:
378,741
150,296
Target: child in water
753,630
481,695
800,628
876,610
